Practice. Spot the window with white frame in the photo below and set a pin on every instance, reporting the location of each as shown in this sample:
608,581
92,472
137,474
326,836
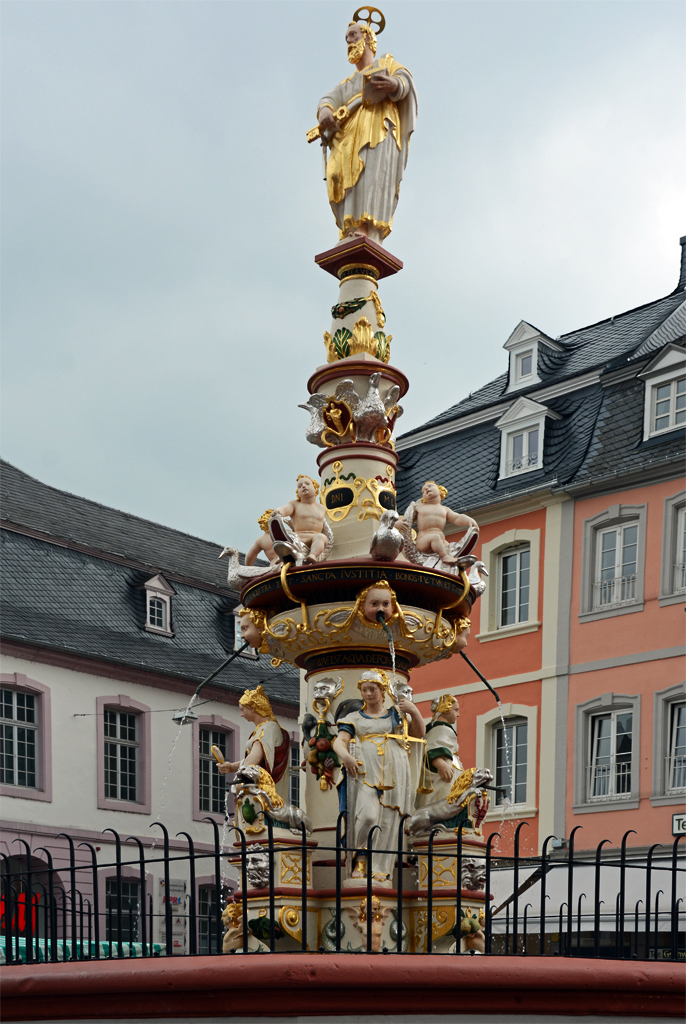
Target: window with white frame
669,746
609,773
616,563
675,772
524,366
18,739
523,450
294,775
510,763
514,573
607,752
510,603
506,741
613,562
665,392
679,578
668,405
121,755
522,432
158,606
212,785
673,568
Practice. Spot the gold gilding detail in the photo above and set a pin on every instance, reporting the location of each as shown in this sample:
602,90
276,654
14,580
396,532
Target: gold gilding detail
380,315
356,485
289,919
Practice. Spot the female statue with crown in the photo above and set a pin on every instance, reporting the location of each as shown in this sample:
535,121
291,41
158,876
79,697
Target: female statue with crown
268,745
381,765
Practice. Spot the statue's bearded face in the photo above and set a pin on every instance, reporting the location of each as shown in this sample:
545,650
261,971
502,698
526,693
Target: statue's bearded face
357,41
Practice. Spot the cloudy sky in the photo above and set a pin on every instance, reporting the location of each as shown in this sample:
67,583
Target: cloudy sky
161,212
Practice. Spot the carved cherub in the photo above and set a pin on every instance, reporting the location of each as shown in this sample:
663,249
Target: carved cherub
431,518
263,545
308,522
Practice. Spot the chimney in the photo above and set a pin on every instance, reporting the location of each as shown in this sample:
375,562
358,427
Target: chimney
682,276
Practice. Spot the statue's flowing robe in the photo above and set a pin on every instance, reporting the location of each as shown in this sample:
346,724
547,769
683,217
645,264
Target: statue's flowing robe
441,741
385,785
275,744
369,151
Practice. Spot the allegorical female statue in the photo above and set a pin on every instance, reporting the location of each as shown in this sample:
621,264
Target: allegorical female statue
367,121
381,770
268,745
442,759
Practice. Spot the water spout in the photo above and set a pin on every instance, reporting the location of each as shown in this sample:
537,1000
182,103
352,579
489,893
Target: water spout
482,678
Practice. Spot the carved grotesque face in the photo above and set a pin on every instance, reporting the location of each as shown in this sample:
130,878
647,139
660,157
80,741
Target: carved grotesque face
257,863
377,600
402,690
326,688
249,631
305,489
430,492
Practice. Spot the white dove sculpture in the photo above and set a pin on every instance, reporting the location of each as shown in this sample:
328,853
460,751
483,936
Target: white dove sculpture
387,542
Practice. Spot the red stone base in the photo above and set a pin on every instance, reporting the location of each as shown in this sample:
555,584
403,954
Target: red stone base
328,985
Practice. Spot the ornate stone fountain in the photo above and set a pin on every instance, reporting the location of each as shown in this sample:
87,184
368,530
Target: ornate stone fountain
356,594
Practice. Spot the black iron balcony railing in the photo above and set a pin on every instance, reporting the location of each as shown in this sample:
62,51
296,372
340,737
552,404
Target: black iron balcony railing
556,903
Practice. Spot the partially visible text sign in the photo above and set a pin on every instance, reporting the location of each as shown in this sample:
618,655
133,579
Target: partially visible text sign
678,824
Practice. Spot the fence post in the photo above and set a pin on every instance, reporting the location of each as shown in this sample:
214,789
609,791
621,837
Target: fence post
541,918
217,881
487,902
342,816
674,904
168,942
303,897
51,930
649,868
370,836
193,929
515,888
28,905
72,885
141,871
622,888
596,899
272,904
399,893
570,889
117,846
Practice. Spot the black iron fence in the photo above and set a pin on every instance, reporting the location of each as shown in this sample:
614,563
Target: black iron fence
612,904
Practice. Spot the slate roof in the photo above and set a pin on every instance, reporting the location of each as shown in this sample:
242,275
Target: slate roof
81,603
590,348
599,433
26,501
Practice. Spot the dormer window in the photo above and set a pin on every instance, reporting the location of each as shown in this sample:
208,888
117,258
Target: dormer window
158,606
522,428
523,451
669,405
524,365
665,394
523,346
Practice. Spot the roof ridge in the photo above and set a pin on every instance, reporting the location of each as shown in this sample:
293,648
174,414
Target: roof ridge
615,317
4,464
